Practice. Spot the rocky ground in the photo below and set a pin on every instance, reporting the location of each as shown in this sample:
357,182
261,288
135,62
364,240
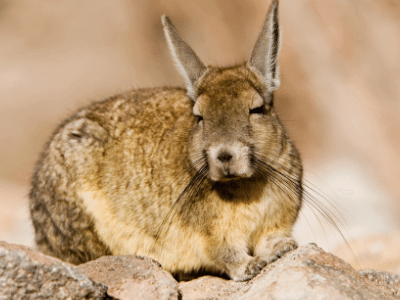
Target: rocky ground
339,98
305,273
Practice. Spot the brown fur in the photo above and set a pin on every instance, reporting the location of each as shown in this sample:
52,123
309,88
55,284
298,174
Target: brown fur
178,178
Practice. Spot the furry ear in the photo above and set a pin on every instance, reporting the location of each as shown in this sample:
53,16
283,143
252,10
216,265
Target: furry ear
264,57
188,63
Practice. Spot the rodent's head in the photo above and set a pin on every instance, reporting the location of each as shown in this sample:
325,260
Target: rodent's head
236,121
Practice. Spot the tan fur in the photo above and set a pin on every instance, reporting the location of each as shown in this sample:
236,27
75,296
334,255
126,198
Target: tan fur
114,178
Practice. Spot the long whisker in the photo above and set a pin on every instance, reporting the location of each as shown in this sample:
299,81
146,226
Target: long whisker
186,207
309,185
185,171
278,183
323,209
187,195
293,185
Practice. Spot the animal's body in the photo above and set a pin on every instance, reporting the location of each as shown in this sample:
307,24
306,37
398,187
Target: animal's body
202,178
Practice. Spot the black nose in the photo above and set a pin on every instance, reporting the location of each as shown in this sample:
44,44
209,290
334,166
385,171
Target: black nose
224,157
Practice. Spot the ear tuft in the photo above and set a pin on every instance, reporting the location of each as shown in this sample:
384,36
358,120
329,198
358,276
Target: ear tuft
187,62
264,57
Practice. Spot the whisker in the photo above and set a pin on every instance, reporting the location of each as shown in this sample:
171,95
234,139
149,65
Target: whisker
294,186
309,185
185,171
264,172
188,193
278,182
307,194
196,191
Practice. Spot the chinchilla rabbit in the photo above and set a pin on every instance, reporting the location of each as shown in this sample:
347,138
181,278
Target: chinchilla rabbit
202,178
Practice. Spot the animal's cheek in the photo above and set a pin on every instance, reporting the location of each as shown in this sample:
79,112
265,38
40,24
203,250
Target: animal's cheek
197,131
196,144
260,126
262,135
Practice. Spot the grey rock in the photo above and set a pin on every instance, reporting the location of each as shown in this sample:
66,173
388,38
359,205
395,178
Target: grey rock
388,281
131,277
305,273
311,273
209,287
28,274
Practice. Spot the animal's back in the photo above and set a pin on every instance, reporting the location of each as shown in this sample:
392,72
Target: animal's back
138,137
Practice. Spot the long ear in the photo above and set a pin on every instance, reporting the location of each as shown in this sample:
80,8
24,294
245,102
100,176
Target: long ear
189,65
265,52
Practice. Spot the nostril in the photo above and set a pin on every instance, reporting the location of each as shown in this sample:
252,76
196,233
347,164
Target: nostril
224,156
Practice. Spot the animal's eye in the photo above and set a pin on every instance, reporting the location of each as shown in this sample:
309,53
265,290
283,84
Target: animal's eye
199,118
257,110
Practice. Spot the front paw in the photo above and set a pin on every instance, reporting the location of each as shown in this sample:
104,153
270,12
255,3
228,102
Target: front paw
278,248
248,271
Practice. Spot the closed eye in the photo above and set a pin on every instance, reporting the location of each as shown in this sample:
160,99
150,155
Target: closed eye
258,110
199,118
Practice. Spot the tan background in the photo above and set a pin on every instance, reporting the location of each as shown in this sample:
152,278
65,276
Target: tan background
340,65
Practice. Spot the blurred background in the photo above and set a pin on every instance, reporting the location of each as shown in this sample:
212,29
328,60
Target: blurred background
339,97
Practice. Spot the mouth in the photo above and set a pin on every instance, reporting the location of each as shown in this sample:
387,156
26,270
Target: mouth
228,164
229,177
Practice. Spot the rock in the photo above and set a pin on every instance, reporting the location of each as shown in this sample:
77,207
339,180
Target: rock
310,273
305,273
209,287
132,277
387,280
28,274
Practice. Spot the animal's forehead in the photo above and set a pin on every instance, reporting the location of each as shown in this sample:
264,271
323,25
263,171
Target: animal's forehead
228,90
222,90
227,99
225,85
